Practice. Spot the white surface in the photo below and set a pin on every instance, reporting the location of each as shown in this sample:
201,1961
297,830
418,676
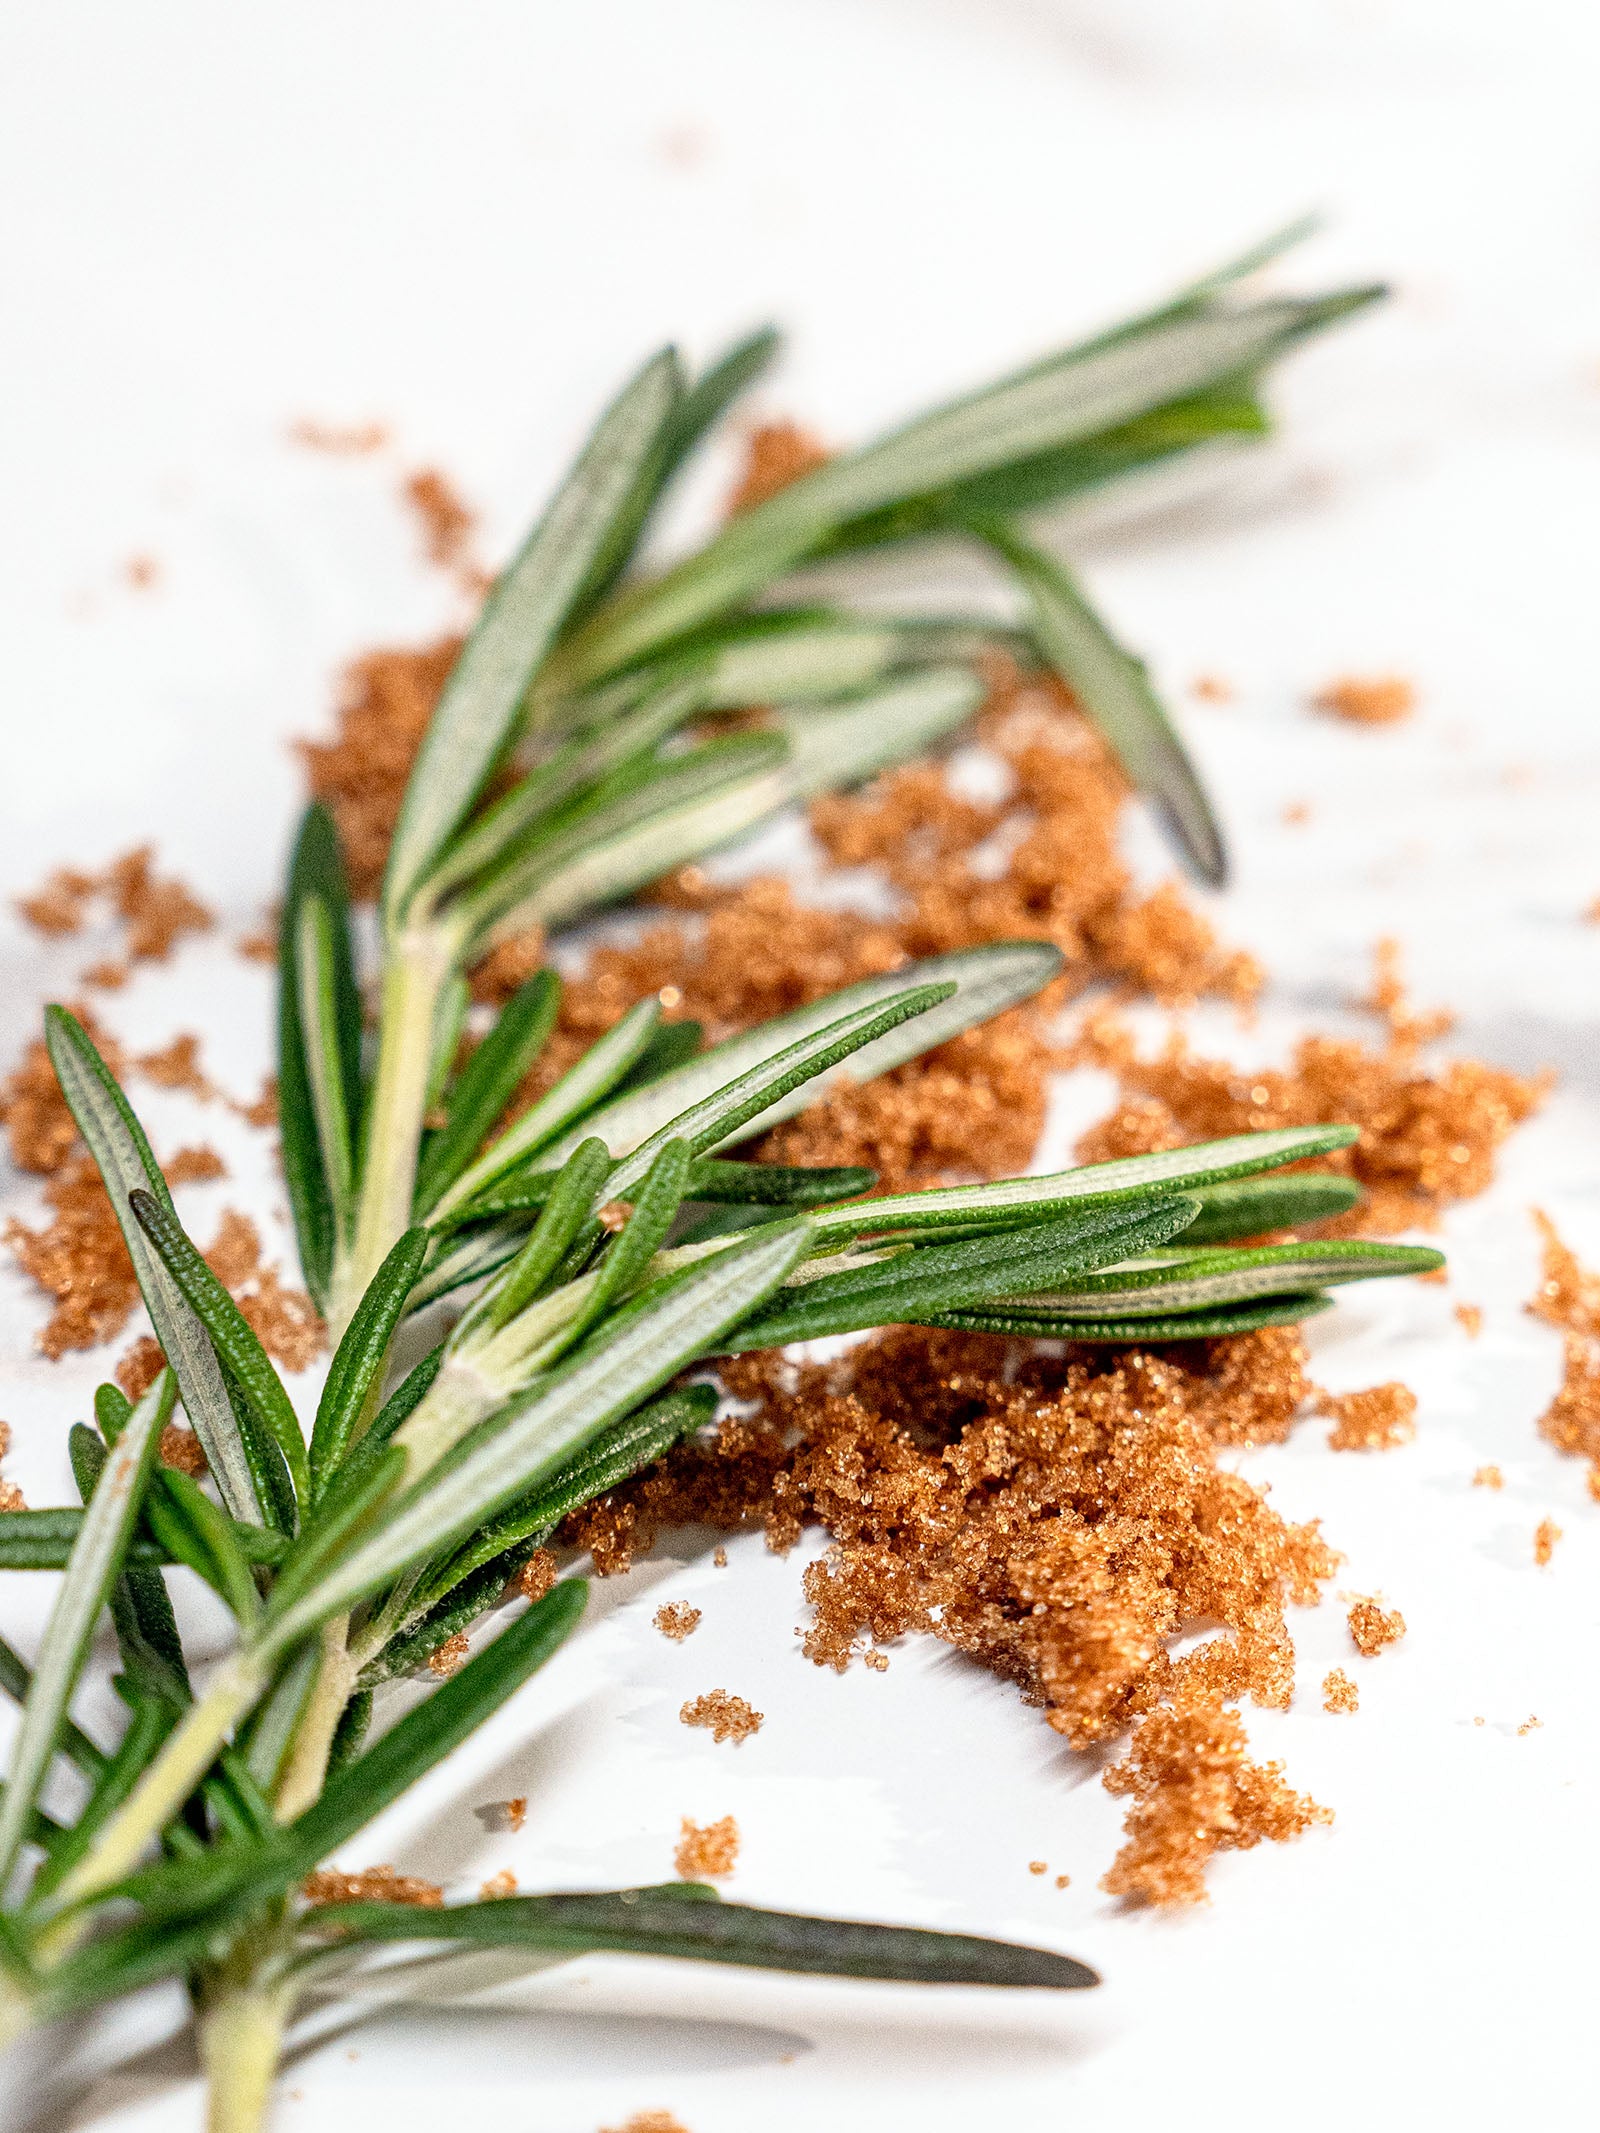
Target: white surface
470,221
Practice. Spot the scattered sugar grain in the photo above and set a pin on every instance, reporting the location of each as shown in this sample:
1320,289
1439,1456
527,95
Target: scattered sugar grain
1372,1627
708,1852
1339,1692
724,1716
1545,1536
677,1620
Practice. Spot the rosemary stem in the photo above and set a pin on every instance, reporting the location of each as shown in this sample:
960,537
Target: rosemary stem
417,968
241,2039
307,1772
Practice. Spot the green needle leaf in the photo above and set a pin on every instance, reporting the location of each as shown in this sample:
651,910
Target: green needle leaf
986,981
718,386
1176,1281
1114,689
568,1205
118,1145
92,1570
232,1336
649,1922
316,972
487,1084
316,873
1190,1326
360,1354
773,1184
1248,1206
478,709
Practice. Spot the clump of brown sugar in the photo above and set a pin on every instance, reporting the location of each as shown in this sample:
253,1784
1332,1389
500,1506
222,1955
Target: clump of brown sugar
1195,1792
342,439
1339,1692
1488,1477
449,1657
1425,1140
60,903
1469,1317
1373,1627
181,1448
448,525
155,912
498,1886
1374,700
374,1884
677,1620
708,1853
649,2122
1545,1536
1060,1520
1568,1297
725,1717
11,1497
536,1577
1378,1420
776,454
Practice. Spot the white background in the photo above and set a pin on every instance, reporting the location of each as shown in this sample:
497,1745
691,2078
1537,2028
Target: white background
470,222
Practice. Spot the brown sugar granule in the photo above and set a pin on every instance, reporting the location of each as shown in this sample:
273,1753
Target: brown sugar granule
194,1166
719,1557
259,947
878,1661
1469,1317
1568,1295
11,1497
142,572
677,1620
649,2122
706,1854
106,977
1488,1477
777,454
1378,700
1529,1725
536,1576
1378,1420
447,524
1038,1866
177,1066
263,1109
450,1657
79,1258
39,1127
181,1448
517,1812
342,439
1545,1536
1409,1029
1296,814
284,1320
59,904
499,1885
1195,1792
1591,913
1372,1626
726,1717
234,1254
385,702
139,1367
156,913
1212,689
1063,1881
374,1884
1339,1692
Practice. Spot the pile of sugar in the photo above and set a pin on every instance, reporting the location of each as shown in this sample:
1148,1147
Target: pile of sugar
725,1717
1568,1298
706,1853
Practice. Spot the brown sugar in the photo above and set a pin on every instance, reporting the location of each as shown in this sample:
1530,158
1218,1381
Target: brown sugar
1195,1792
142,572
284,1320
1377,1420
649,2122
60,904
342,440
516,1812
1212,689
1469,1317
1372,1627
878,1661
181,1448
177,1066
706,1854
1488,1477
194,1166
107,976
776,454
447,524
499,1885
1568,1295
1529,1725
536,1577
11,1497
156,913
374,1884
677,1620
725,1717
1545,1536
1339,1692
1377,700
450,1657
79,1258
1038,1866
139,1366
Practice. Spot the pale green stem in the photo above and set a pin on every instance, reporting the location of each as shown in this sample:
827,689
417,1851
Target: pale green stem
307,1771
241,2039
182,1763
418,967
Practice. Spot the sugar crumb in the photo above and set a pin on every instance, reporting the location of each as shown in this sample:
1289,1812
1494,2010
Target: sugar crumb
343,440
449,1657
499,1885
725,1717
1372,1627
649,2122
1529,1725
1469,1317
535,1577
375,1884
1038,1866
1488,1477
1545,1536
677,1620
1380,1419
1374,700
776,454
719,1557
706,1853
1339,1692
1212,689
878,1661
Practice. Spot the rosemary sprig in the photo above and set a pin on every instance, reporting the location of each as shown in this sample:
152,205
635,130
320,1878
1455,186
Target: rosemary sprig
556,777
